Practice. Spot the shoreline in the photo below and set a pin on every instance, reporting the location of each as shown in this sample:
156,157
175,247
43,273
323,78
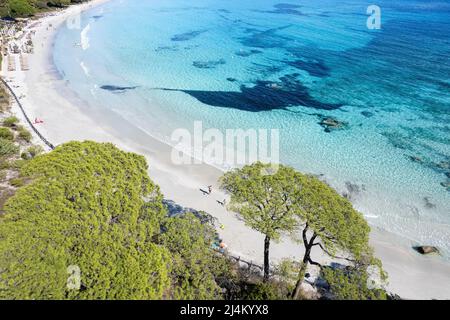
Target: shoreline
67,118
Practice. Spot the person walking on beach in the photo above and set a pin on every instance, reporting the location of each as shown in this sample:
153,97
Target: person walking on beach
222,247
37,121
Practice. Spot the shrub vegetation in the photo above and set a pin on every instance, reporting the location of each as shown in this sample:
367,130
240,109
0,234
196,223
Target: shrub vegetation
6,134
10,121
93,207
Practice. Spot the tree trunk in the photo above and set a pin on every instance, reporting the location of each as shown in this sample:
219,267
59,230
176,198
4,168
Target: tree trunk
301,274
306,259
266,258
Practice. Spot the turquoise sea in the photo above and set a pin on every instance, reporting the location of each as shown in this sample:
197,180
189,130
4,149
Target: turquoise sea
289,65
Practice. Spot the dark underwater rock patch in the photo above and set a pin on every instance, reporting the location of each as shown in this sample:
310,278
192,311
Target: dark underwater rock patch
314,68
231,79
398,141
187,35
266,38
416,159
263,96
208,64
286,8
428,203
446,184
244,53
323,15
353,190
265,70
287,11
443,165
194,46
118,89
367,114
167,48
331,124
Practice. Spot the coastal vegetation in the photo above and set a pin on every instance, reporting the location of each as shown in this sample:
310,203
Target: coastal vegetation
4,97
26,8
93,207
87,222
279,199
264,201
15,144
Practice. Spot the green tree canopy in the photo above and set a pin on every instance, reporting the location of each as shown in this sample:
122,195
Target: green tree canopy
197,269
330,222
264,199
92,206
352,284
24,8
19,8
286,200
89,205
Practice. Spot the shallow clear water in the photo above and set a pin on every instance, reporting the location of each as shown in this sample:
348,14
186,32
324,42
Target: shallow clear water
217,61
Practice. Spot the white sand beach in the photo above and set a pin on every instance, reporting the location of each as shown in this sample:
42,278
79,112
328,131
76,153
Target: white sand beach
66,117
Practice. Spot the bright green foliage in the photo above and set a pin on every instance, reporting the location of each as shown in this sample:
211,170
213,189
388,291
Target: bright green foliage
32,152
89,205
19,8
334,226
10,121
6,134
352,285
196,268
285,200
23,8
58,3
263,200
17,182
263,291
24,134
333,219
287,271
93,206
8,148
4,97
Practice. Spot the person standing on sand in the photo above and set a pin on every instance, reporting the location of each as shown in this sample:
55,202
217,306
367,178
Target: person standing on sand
222,247
209,189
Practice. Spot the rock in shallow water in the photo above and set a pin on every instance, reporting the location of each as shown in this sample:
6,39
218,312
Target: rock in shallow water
367,114
208,64
426,249
114,88
446,184
416,159
330,124
443,165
